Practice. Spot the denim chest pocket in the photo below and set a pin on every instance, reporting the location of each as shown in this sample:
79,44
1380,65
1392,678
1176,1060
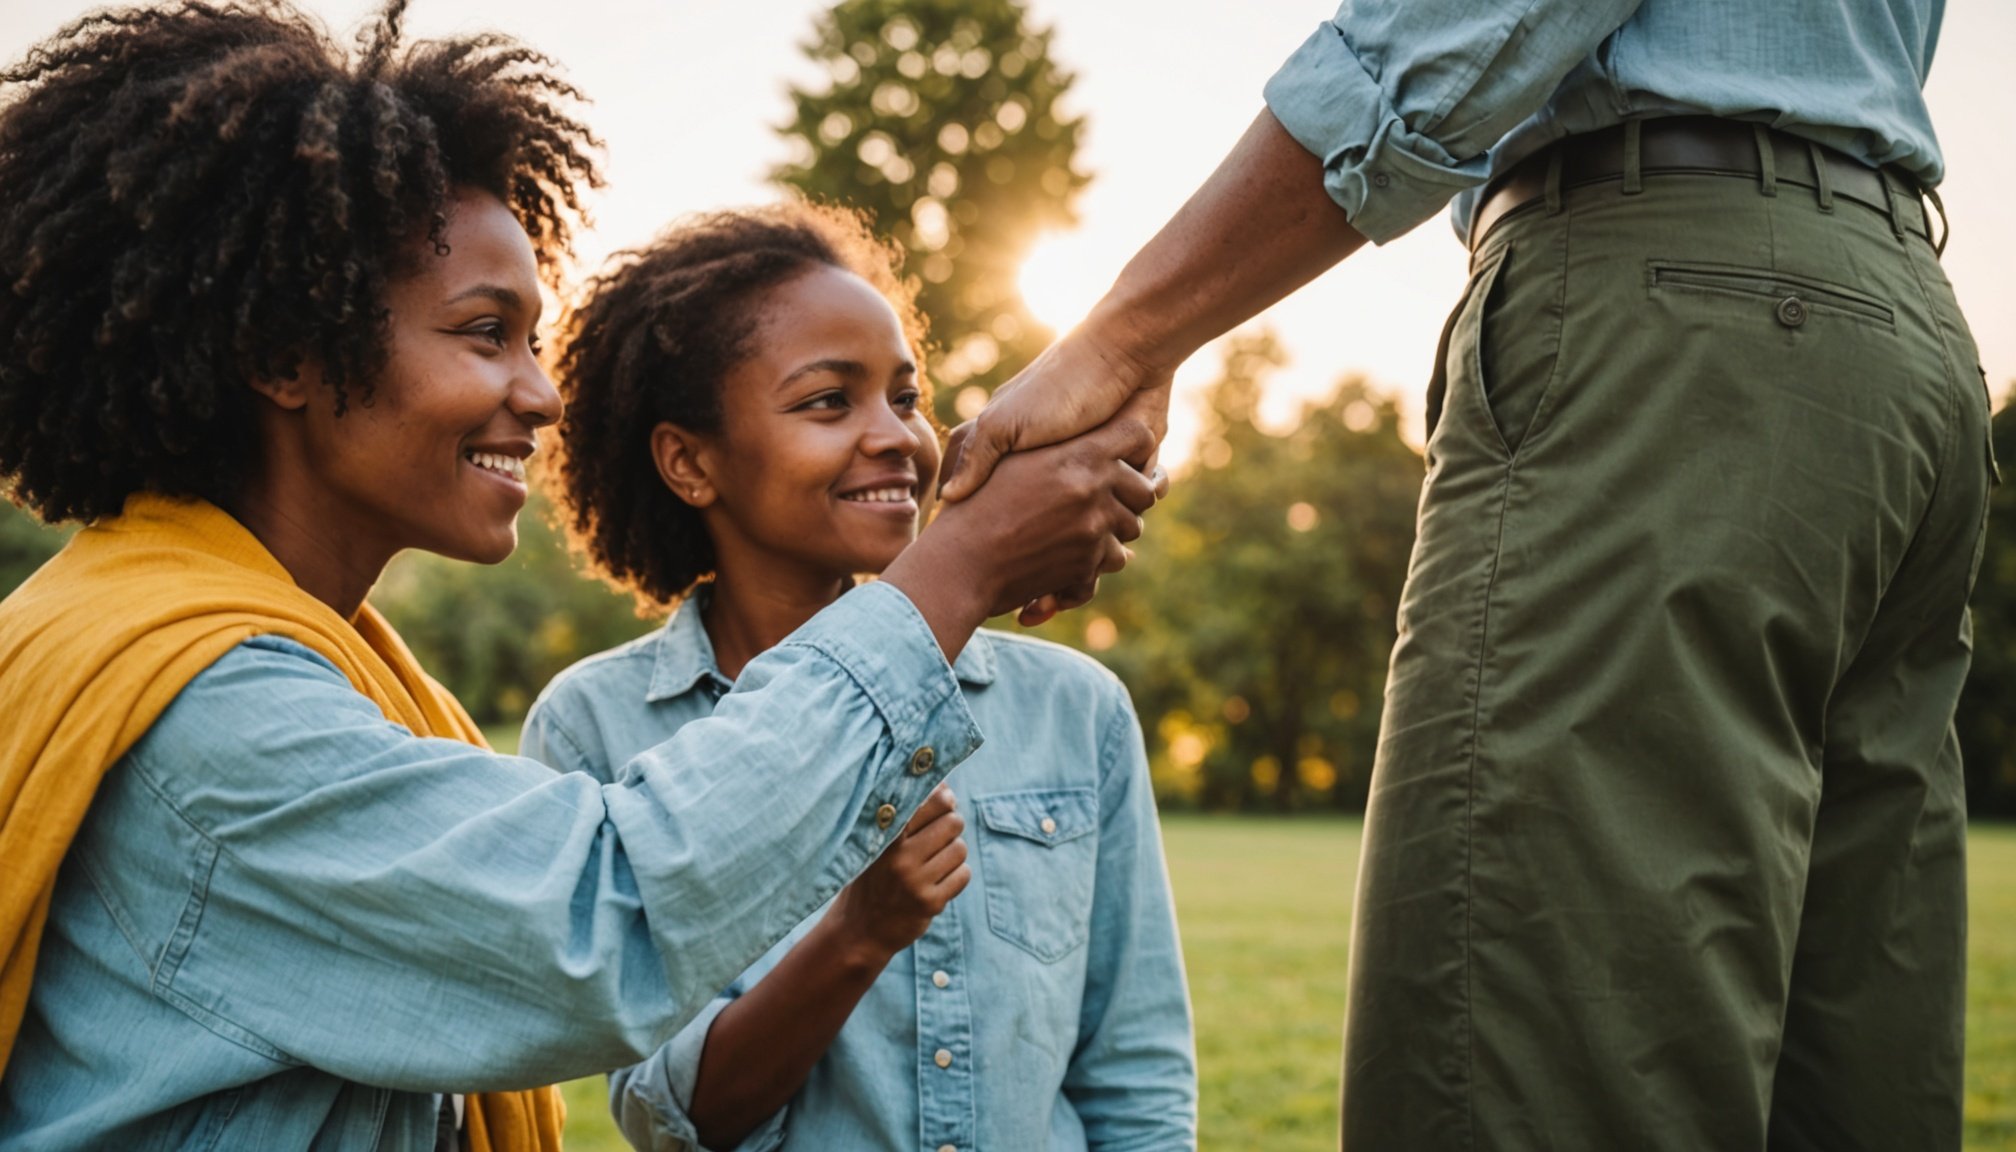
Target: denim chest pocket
1038,852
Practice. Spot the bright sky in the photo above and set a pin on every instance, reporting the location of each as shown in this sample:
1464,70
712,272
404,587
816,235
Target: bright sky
686,91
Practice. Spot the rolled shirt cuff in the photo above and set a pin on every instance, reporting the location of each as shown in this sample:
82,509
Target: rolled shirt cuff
650,1101
1387,177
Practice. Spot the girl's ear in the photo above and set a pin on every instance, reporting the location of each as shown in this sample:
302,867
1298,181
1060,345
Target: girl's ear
680,456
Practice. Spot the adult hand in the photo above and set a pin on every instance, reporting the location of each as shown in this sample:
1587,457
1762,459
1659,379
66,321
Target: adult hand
891,904
1077,384
1050,518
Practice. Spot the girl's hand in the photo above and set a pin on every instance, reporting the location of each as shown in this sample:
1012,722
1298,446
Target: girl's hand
891,904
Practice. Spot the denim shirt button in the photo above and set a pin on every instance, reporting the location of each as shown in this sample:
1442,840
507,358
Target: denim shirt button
940,979
942,1058
922,760
1049,826
947,1148
885,816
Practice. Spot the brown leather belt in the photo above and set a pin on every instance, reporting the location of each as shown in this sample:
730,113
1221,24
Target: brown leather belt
1701,145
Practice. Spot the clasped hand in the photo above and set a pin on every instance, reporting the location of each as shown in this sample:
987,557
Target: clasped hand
1078,385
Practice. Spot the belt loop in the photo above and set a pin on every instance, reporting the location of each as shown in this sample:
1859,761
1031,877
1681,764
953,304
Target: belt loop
1890,202
1945,225
1633,155
1554,181
1822,179
1767,161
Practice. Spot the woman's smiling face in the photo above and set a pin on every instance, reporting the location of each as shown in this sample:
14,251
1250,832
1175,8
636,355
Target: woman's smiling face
824,459
436,459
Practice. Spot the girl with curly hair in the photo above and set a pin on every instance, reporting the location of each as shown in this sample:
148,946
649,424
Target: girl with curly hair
267,317
747,429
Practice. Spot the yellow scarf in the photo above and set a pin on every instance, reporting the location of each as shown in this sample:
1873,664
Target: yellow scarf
94,647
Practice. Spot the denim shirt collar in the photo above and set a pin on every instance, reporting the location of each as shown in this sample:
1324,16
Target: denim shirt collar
684,656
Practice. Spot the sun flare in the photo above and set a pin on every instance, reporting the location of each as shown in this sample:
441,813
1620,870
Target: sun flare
1061,279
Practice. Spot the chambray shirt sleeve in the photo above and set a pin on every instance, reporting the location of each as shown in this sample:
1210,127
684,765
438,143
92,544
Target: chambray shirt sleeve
1404,99
650,1100
422,915
1133,1075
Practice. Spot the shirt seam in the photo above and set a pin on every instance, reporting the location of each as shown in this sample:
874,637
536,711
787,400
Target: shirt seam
557,729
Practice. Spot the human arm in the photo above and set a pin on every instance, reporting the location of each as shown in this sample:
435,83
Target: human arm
1374,123
421,914
761,1047
1133,1075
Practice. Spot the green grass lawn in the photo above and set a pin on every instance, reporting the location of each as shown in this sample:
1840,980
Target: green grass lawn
1265,908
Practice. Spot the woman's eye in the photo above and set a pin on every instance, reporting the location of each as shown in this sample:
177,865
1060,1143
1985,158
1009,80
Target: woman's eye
908,401
538,346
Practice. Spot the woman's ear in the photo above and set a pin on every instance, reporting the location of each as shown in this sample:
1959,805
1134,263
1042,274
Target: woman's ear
290,393
680,457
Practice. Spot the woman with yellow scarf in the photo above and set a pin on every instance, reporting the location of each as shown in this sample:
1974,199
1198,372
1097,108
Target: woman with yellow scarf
267,316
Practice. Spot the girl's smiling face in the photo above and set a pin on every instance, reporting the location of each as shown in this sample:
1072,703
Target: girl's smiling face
824,459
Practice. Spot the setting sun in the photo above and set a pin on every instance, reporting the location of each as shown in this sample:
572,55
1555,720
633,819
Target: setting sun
1062,278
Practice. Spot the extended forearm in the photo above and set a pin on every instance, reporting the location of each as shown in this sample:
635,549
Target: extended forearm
1258,229
763,1046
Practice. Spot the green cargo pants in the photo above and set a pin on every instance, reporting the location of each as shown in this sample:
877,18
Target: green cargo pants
1666,840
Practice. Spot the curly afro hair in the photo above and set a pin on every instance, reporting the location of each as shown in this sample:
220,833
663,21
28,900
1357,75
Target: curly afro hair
202,194
650,341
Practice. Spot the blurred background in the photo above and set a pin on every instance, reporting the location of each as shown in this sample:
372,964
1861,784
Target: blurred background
1020,150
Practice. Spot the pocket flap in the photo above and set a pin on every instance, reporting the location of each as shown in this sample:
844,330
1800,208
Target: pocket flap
1043,815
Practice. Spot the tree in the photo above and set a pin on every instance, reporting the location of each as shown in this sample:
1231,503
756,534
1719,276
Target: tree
940,120
1987,719
1255,624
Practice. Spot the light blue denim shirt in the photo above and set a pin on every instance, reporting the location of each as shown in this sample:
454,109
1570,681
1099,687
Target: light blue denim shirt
1410,102
1044,1009
289,924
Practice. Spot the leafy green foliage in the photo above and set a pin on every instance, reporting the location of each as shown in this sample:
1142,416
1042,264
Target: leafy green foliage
1254,625
940,120
24,545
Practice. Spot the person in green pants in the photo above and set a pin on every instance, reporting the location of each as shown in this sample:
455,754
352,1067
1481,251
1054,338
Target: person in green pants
1666,840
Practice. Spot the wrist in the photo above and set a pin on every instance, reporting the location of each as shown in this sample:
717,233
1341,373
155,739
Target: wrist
944,585
852,949
1122,333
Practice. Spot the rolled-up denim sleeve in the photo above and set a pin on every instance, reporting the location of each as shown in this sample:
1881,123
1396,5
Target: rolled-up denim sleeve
1404,99
420,914
1133,1073
651,1101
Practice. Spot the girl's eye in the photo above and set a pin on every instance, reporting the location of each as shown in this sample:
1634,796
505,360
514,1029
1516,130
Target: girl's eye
825,401
538,347
908,401
491,332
